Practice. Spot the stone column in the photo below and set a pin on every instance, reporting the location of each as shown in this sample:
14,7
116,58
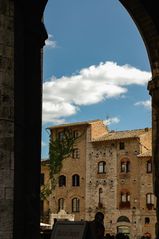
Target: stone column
29,38
6,118
153,87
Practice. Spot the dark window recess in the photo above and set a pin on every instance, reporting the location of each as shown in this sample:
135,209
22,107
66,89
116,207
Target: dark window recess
76,134
147,220
60,204
75,180
121,145
149,166
62,181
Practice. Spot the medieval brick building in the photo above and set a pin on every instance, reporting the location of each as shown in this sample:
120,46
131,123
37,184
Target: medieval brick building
108,171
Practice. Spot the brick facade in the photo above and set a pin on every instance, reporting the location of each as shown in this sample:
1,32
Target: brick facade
113,178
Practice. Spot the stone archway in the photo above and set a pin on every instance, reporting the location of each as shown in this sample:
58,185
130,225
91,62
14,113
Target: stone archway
22,36
146,17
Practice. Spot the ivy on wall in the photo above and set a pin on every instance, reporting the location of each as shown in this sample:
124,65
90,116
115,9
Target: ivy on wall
59,149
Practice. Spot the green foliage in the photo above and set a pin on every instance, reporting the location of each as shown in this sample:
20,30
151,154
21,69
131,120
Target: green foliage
59,149
45,191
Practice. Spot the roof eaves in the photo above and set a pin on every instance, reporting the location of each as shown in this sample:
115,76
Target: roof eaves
73,124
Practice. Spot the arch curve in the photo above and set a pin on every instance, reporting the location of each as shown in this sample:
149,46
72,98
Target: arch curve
123,219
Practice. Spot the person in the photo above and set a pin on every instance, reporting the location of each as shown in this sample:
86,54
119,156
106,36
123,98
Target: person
97,226
120,235
53,226
108,236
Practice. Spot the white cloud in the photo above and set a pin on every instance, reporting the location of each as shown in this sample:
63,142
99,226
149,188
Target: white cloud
113,120
43,144
146,104
50,42
63,96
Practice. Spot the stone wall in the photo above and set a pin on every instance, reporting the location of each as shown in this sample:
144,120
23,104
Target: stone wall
70,167
98,129
146,187
6,118
106,182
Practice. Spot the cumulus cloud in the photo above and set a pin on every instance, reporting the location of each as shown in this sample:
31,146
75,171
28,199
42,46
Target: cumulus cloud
63,96
43,144
113,120
146,104
50,42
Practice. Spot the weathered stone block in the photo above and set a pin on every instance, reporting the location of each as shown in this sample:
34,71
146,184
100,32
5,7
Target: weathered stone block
9,193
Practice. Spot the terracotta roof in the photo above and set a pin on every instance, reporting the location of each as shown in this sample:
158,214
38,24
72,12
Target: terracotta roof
148,153
118,135
74,124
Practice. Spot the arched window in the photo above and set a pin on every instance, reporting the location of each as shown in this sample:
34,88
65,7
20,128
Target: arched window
123,219
101,167
150,200
75,205
75,180
60,204
62,180
149,166
125,166
125,199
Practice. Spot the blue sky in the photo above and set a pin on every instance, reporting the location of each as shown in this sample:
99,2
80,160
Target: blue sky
95,67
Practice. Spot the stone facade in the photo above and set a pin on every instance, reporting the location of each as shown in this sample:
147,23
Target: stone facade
115,170
6,118
120,190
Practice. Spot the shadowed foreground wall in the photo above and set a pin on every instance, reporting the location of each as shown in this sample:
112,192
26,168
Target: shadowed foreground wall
6,118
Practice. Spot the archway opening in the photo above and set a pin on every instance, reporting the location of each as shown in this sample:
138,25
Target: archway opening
90,69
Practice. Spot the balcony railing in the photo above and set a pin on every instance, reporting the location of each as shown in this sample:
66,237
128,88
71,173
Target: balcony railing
124,205
150,206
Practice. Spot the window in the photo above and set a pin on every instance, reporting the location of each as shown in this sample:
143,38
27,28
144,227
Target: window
60,204
61,135
42,179
125,166
76,153
76,134
150,200
125,200
125,197
62,181
100,203
75,180
121,145
101,167
149,166
147,220
75,205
